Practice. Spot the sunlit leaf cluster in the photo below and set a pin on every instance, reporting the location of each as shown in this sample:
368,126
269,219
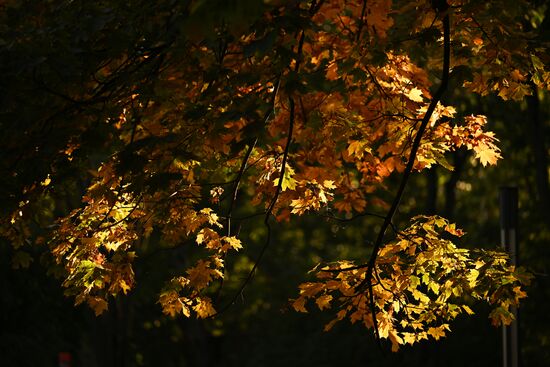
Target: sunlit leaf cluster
422,282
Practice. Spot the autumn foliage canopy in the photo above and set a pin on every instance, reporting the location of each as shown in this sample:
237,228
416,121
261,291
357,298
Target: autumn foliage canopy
169,117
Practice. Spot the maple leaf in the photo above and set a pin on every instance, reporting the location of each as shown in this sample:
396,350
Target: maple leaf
415,95
167,301
451,228
437,332
200,275
211,216
184,307
378,16
124,286
209,238
288,182
329,184
311,289
203,307
99,305
409,338
234,243
358,148
299,304
472,277
487,154
330,325
343,206
396,340
323,301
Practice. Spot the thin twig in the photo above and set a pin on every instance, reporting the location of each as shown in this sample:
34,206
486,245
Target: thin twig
315,6
270,208
362,21
237,183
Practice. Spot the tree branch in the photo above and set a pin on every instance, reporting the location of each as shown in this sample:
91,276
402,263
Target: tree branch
408,170
314,7
270,208
237,183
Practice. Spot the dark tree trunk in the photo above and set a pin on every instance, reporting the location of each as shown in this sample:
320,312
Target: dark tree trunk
538,146
120,332
459,158
431,200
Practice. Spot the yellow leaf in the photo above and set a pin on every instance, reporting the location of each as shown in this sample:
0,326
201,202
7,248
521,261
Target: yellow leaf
169,302
124,286
434,287
209,237
200,275
415,95
99,305
410,338
46,181
288,182
330,325
468,310
414,281
323,302
487,155
357,148
472,277
211,216
112,246
436,332
501,316
419,296
395,340
204,308
329,184
451,228
310,289
519,293
299,304
299,206
184,309
234,243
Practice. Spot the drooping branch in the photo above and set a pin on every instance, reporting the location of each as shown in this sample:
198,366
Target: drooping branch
244,163
237,184
410,165
314,7
270,208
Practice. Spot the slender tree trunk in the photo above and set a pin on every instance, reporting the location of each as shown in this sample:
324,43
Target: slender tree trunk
200,349
540,153
119,334
431,200
459,158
